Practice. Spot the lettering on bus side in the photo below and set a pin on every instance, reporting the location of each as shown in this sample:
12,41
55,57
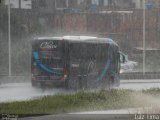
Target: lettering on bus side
48,45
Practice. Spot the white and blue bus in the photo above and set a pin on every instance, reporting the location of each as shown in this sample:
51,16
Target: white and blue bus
75,62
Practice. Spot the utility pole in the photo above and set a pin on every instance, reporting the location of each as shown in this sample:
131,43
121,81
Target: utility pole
9,37
55,4
144,37
67,3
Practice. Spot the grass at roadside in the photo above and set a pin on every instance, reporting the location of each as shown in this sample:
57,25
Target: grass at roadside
81,101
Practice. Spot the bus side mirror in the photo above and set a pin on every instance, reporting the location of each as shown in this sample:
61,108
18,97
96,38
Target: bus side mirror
123,57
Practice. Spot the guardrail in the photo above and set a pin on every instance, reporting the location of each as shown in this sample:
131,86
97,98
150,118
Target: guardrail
14,78
140,75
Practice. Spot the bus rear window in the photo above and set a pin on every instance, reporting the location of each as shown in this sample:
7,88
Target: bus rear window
50,54
47,55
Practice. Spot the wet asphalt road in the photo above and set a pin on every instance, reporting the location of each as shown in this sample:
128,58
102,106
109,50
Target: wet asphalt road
24,91
83,117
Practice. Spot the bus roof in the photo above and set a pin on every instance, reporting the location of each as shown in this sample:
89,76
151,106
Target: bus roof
86,39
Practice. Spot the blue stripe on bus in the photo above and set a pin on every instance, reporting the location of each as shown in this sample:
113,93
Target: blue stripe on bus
42,66
106,68
107,65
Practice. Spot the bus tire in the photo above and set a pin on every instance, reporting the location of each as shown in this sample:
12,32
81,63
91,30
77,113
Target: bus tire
66,84
72,84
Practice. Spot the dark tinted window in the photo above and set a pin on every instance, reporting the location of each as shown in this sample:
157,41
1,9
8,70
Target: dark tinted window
83,50
48,49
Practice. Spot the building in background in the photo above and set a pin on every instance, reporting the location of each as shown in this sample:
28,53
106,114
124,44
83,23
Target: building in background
13,3
26,4
52,6
20,4
148,3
